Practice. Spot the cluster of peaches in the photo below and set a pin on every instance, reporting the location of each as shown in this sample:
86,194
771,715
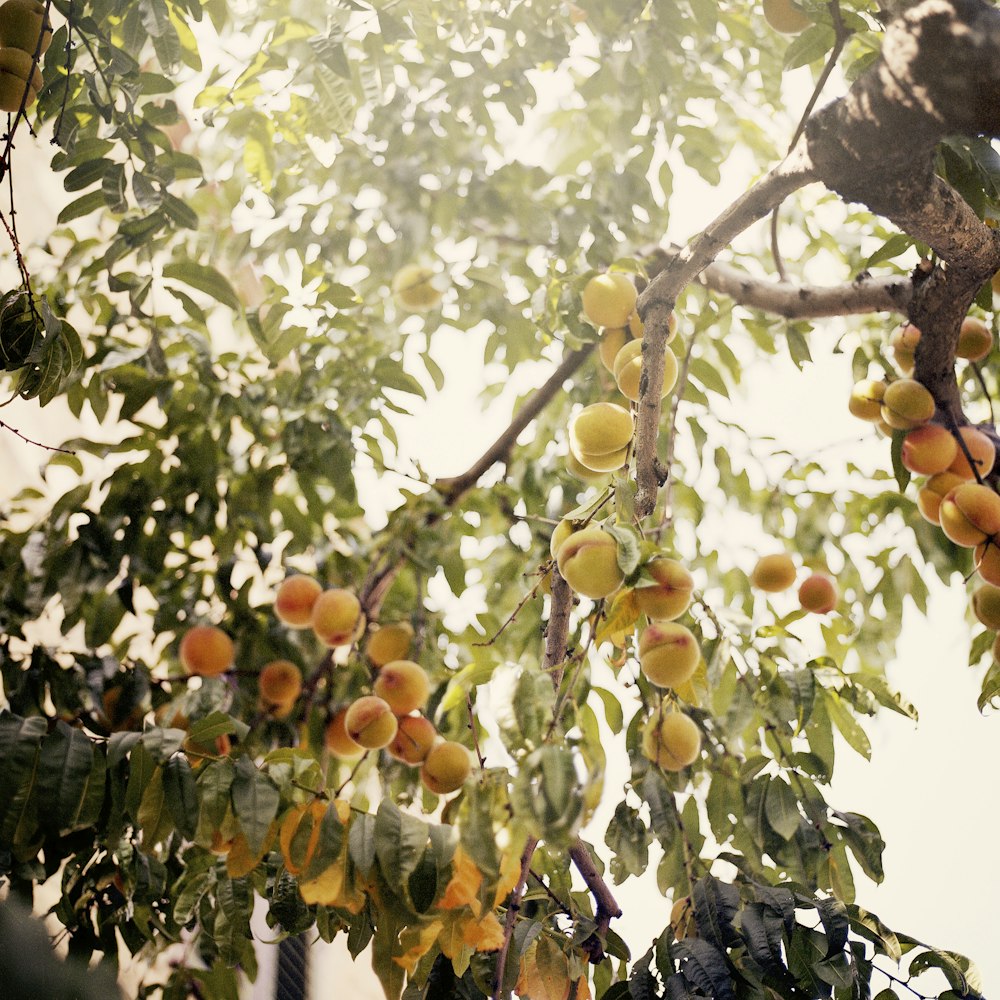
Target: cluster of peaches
24,32
387,718
776,573
954,496
600,435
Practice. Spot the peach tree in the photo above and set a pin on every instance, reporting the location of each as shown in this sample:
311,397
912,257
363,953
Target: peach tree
251,648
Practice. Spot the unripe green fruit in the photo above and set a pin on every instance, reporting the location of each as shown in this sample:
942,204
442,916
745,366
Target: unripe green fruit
612,341
668,654
986,605
670,596
672,741
609,299
403,685
446,767
602,464
585,475
562,531
975,339
18,74
588,562
903,344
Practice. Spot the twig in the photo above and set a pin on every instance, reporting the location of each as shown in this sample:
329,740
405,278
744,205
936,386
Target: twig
545,568
982,385
513,907
37,444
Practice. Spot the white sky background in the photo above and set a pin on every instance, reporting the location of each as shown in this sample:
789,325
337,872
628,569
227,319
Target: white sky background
930,788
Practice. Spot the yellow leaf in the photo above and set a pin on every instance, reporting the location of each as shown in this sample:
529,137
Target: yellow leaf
621,617
485,934
544,973
417,941
582,989
510,873
688,691
450,939
463,888
326,887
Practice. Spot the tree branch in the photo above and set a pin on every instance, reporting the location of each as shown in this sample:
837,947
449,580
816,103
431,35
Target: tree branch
607,906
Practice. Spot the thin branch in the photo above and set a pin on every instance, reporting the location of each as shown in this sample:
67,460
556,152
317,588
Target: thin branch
513,908
607,906
37,444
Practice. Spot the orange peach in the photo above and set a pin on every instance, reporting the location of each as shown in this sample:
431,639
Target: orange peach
337,618
818,593
280,682
931,494
403,685
982,450
206,651
970,514
413,740
390,642
293,603
337,739
670,596
668,654
987,561
929,449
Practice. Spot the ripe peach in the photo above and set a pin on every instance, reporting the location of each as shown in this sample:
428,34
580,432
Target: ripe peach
293,603
929,449
22,24
903,343
986,605
818,593
588,562
987,561
668,654
413,740
907,404
600,429
446,767
612,341
403,685
671,741
975,339
970,514
774,573
337,619
866,400
628,370
337,739
981,449
390,642
280,682
608,299
414,289
670,596
933,492
370,722
206,651
637,328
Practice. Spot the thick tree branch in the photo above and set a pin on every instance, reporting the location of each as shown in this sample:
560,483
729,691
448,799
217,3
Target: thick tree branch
607,907
657,302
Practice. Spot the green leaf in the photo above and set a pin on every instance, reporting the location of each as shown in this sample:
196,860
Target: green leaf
900,471
65,767
204,278
781,808
180,794
848,725
255,802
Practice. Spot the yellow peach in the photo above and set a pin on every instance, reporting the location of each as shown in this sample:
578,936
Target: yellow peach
929,449
413,740
670,596
446,767
612,341
774,573
588,562
907,404
608,299
866,400
970,514
987,561
982,450
403,685
337,618
601,429
784,16
414,289
975,339
672,741
294,600
24,26
370,722
903,344
986,605
602,464
589,476
389,642
628,370
337,739
562,531
668,654
280,682
931,494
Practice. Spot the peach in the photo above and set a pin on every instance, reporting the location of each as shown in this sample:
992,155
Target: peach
337,739
668,654
866,400
388,643
562,531
370,722
970,514
628,370
578,469
672,741
601,429
608,299
986,605
818,593
294,600
602,464
413,740
784,16
907,404
23,25
446,767
931,494
682,919
774,573
982,450
588,562
206,651
18,74
280,682
403,685
929,449
637,328
612,341
670,596
337,618
414,289
975,339
903,343
987,561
